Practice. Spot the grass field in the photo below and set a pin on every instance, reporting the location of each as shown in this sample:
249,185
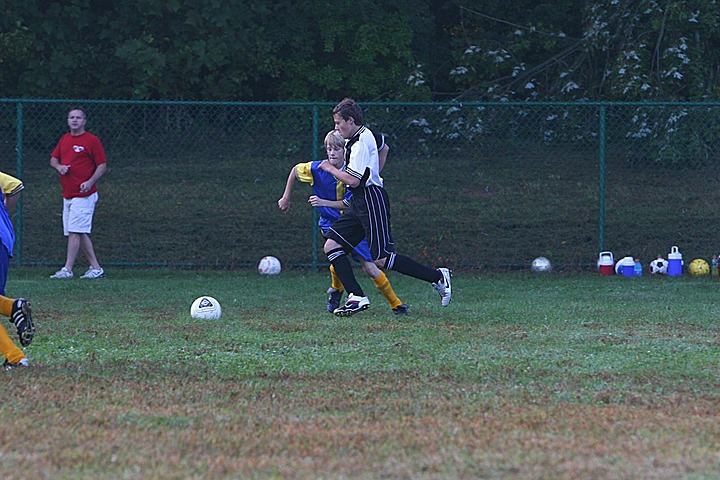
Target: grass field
561,376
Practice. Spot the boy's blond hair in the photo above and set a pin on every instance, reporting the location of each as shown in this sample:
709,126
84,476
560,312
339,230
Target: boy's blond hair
334,139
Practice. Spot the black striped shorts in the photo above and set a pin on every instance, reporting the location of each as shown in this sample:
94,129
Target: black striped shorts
368,216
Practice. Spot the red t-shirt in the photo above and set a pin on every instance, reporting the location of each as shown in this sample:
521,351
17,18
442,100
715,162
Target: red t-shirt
83,153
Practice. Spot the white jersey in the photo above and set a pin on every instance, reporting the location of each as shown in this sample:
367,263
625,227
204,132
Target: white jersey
361,153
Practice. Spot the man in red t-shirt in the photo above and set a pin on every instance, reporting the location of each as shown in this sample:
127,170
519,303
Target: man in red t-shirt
79,158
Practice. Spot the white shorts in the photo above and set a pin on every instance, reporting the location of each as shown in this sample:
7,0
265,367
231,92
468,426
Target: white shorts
78,214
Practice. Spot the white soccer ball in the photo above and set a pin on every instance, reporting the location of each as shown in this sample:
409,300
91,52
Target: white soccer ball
269,266
206,308
540,264
659,266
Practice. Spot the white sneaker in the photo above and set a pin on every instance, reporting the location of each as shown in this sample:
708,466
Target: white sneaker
22,363
353,304
94,273
444,287
62,273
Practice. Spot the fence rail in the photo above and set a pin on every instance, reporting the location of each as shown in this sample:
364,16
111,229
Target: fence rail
472,185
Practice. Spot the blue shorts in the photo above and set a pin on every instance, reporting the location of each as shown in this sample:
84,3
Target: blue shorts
362,251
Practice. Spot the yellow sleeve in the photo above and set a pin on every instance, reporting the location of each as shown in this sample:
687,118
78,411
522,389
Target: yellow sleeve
303,172
10,185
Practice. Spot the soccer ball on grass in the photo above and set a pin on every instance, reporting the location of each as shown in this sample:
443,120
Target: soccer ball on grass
659,266
269,265
206,308
699,267
540,264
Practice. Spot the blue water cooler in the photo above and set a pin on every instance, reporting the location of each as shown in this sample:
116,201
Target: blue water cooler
675,262
628,267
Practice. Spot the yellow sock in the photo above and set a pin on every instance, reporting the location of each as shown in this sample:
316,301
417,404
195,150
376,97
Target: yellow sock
6,305
383,285
8,348
336,283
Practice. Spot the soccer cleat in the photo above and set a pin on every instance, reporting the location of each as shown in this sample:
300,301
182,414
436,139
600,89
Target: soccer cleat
62,273
21,317
352,305
334,299
22,363
401,310
444,287
94,273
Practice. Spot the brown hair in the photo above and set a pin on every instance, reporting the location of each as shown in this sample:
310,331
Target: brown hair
349,108
78,108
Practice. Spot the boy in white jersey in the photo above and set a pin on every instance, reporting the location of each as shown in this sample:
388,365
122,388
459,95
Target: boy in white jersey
330,198
367,216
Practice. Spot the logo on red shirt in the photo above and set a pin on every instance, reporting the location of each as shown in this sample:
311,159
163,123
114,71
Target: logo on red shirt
78,148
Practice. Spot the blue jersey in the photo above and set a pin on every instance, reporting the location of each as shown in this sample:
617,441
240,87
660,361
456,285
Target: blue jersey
9,186
324,186
327,187
7,232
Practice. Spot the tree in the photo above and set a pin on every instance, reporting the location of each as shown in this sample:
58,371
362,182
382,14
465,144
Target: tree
619,50
217,50
369,49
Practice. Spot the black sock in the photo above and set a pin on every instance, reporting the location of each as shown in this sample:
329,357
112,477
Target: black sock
408,266
343,269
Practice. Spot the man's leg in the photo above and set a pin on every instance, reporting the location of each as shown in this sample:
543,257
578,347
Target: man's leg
87,248
73,247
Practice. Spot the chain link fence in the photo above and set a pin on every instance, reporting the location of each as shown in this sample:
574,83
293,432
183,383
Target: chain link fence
472,186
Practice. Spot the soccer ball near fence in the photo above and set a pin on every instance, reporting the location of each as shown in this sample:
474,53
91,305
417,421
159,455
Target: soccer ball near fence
206,308
699,267
658,266
540,264
269,265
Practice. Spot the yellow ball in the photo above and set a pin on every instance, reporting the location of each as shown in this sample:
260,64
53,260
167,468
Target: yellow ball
699,267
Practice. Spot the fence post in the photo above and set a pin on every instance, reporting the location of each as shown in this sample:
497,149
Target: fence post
19,169
316,146
601,181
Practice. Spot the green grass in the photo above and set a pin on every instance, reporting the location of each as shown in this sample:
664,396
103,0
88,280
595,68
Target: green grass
522,376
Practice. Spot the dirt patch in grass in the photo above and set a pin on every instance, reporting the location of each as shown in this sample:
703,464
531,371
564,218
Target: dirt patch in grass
143,423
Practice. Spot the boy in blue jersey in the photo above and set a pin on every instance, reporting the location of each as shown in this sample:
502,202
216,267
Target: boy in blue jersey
330,197
17,310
